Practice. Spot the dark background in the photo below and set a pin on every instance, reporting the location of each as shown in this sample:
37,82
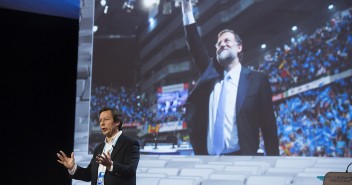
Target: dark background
38,75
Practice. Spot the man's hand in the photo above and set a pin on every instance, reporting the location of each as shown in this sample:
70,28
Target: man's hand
104,159
68,162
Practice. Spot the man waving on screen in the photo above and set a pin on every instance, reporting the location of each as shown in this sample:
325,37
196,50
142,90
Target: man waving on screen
230,104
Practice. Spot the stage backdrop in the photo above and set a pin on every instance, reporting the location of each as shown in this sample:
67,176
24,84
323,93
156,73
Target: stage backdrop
310,75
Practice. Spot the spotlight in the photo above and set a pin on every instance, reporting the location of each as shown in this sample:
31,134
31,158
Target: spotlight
263,46
102,2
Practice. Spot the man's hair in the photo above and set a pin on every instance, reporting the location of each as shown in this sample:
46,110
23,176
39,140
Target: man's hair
116,115
237,39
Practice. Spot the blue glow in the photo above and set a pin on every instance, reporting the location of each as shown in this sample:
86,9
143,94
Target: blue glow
61,8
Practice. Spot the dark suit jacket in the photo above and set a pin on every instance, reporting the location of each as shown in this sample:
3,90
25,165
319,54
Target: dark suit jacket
254,108
125,157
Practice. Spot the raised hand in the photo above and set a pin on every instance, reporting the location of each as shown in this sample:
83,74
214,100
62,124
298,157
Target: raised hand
68,162
104,159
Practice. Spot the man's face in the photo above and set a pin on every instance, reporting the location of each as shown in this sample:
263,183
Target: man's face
227,49
107,125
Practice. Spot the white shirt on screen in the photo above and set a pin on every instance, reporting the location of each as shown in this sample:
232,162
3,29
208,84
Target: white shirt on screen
230,132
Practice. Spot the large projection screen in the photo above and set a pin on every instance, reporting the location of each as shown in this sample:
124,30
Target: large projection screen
310,75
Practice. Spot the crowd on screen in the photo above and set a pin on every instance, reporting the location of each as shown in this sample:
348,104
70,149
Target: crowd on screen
309,57
133,104
317,122
128,100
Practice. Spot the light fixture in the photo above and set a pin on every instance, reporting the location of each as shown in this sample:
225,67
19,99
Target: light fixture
106,9
102,2
95,28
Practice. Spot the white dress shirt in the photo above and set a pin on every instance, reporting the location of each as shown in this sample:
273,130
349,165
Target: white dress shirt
109,146
230,130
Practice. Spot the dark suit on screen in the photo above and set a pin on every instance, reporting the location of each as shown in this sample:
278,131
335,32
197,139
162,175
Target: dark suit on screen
125,157
254,108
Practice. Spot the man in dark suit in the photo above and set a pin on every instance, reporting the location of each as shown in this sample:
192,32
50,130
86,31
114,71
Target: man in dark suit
114,161
230,126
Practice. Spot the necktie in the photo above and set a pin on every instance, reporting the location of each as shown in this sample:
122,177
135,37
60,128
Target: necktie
218,142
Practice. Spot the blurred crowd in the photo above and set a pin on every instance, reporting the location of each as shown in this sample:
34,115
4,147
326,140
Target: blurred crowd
317,122
327,51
